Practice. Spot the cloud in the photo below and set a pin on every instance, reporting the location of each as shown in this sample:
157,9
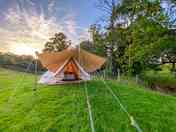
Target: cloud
23,27
34,28
51,6
75,32
31,2
85,35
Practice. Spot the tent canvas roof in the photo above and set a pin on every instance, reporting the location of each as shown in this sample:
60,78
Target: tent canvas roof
53,60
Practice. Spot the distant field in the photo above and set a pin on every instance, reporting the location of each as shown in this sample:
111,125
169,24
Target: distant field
63,108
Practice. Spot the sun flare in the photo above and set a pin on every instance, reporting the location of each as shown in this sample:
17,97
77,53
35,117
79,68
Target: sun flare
25,50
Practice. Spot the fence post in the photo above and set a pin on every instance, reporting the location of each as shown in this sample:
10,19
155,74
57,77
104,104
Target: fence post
104,74
118,74
137,78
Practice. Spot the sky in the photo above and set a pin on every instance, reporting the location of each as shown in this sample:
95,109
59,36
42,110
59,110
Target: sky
25,25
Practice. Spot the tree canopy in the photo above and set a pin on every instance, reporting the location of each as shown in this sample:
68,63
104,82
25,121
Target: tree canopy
57,43
137,34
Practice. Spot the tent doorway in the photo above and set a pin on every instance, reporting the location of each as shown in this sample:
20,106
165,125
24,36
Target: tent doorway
71,72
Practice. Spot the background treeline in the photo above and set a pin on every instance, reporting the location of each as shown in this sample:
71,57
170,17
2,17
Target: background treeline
25,63
135,35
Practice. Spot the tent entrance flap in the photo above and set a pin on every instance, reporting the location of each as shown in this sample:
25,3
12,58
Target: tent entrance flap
71,72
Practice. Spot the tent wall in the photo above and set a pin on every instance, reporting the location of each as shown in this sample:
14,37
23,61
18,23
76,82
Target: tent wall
58,76
49,78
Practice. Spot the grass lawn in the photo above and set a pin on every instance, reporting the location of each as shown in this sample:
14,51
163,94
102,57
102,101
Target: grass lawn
63,108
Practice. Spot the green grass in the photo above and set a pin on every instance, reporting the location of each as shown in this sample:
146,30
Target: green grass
63,108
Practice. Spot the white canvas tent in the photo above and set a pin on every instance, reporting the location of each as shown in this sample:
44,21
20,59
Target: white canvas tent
58,77
68,66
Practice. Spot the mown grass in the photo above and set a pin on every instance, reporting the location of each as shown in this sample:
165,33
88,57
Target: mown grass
63,108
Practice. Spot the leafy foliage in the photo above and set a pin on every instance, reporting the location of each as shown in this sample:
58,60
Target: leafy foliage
138,35
163,80
57,43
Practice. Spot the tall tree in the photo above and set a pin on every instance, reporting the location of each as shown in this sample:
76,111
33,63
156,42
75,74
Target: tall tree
98,40
57,43
109,7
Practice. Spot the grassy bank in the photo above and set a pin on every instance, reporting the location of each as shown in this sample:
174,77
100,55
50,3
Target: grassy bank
163,80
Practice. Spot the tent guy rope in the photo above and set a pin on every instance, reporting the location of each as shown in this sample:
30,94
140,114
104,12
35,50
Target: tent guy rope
89,109
131,118
87,100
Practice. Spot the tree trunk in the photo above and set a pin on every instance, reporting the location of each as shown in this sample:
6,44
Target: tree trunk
112,28
114,66
173,67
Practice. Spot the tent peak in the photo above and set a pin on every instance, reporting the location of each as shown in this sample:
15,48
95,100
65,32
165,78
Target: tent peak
73,47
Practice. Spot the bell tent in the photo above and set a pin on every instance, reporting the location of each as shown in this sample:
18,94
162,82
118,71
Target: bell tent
69,66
